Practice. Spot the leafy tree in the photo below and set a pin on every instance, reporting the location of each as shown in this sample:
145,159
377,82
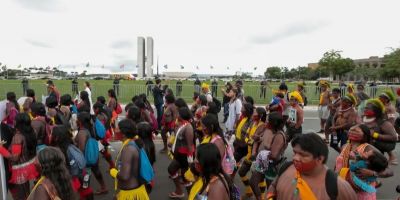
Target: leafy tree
334,63
391,68
273,72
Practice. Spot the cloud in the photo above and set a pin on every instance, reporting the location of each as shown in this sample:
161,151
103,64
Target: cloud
42,5
122,44
288,31
37,43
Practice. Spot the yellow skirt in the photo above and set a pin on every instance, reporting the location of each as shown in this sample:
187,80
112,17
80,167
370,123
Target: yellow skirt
139,193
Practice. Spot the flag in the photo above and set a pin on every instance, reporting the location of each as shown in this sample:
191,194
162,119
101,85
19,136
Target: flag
255,68
197,67
211,67
122,66
182,67
87,64
166,66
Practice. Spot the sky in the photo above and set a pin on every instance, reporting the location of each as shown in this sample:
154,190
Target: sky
240,35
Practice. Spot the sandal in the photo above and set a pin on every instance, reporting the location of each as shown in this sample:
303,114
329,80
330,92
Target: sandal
173,195
101,191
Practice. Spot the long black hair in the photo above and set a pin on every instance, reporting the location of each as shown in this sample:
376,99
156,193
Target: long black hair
134,114
248,110
276,121
211,123
111,93
210,161
61,138
85,120
52,162
12,98
85,98
128,128
262,113
23,125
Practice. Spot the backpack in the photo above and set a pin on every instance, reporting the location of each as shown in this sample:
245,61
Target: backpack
118,109
217,103
330,180
76,159
99,129
146,173
91,150
228,162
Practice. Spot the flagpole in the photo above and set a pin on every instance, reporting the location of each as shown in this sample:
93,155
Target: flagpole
157,66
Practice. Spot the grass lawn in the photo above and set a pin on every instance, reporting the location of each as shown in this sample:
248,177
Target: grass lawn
129,88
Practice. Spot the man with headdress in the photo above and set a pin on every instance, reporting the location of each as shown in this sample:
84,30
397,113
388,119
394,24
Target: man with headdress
383,134
296,116
324,100
205,89
302,91
345,117
386,98
362,97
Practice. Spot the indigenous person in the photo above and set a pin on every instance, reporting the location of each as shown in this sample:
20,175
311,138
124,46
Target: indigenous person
212,134
359,139
383,133
268,154
217,184
362,98
226,99
170,115
200,112
205,89
12,109
324,101
345,117
85,131
112,105
182,150
74,160
257,125
30,98
302,91
283,88
55,182
102,116
52,90
240,144
127,180
333,106
21,156
38,124
84,105
296,116
306,177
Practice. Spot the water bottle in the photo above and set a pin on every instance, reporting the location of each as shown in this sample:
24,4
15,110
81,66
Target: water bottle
86,179
334,139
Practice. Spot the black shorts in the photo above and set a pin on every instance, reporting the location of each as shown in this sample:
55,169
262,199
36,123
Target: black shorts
178,163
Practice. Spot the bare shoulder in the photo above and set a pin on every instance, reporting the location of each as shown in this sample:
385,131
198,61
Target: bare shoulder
345,191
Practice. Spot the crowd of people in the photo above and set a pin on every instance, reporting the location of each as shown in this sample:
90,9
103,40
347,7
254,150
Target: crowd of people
57,144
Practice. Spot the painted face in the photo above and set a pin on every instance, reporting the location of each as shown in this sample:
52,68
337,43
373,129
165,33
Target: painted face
345,103
255,116
304,161
356,134
293,101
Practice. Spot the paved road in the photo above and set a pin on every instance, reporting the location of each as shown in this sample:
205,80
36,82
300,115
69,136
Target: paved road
163,185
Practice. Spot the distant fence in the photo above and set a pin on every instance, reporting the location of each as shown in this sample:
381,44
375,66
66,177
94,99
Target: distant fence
129,89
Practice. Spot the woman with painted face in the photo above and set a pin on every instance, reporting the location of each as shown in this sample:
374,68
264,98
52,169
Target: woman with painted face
241,132
257,125
346,163
182,149
55,182
21,156
268,155
217,185
296,116
383,133
308,177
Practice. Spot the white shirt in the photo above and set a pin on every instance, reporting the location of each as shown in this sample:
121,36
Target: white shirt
235,109
209,97
90,100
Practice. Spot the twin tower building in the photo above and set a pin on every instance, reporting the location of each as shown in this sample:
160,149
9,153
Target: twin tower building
145,55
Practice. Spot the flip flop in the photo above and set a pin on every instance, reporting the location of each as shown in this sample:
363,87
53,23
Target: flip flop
173,195
100,192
